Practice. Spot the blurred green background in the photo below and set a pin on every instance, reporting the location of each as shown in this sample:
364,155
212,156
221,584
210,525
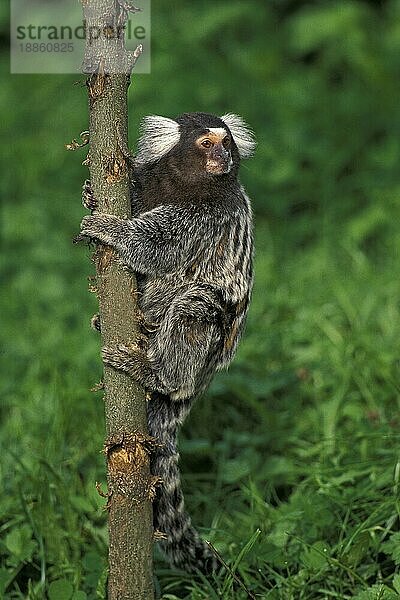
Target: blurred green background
291,462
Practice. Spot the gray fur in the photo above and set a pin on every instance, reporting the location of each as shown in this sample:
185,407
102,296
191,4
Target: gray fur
193,256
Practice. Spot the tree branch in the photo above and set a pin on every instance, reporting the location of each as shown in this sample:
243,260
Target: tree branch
127,447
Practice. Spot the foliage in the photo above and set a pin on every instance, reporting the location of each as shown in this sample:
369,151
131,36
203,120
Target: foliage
291,461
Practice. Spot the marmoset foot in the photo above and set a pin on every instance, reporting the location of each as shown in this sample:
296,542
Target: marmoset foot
142,341
144,323
124,357
131,360
88,199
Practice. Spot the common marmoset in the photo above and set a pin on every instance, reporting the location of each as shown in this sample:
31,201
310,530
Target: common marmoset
190,242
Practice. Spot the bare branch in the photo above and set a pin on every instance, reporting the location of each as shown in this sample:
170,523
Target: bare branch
130,486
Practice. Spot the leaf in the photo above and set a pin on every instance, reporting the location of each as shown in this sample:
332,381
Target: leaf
93,565
20,544
358,549
278,465
244,551
315,557
377,592
101,588
5,576
236,469
79,596
81,504
92,562
396,583
392,547
60,590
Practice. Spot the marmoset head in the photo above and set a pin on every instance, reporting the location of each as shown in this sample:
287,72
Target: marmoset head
197,144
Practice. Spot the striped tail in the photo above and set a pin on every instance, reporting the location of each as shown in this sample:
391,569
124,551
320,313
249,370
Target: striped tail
183,546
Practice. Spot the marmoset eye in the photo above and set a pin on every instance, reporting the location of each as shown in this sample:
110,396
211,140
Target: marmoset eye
207,143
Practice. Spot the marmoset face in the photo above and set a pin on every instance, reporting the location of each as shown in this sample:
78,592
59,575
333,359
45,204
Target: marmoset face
215,145
194,148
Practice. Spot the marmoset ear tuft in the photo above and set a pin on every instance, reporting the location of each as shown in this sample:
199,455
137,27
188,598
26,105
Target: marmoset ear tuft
158,135
241,133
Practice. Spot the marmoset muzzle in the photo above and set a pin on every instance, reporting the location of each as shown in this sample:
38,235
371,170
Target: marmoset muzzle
219,160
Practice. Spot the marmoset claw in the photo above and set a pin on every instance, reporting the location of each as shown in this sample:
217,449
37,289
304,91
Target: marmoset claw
95,322
142,341
118,356
88,199
145,324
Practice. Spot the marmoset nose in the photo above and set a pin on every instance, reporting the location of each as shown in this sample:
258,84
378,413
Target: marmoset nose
219,151
219,161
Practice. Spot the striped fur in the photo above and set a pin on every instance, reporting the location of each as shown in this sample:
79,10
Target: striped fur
191,245
183,546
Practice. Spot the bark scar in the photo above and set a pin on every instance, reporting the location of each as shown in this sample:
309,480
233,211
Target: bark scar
115,166
128,463
96,82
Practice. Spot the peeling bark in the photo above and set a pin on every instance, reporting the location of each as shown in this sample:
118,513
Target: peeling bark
127,447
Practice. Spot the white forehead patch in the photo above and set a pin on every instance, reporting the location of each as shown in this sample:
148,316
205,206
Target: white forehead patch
217,130
158,135
241,133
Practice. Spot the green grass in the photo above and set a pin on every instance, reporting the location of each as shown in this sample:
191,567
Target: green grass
291,461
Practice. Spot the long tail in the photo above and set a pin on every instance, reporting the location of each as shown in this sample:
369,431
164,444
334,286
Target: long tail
183,546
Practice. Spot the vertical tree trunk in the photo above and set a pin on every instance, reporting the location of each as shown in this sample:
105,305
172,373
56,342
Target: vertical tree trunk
127,444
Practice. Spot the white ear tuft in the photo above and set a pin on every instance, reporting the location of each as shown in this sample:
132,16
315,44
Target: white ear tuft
158,136
242,134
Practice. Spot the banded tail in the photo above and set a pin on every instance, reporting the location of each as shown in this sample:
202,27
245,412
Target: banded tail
183,547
